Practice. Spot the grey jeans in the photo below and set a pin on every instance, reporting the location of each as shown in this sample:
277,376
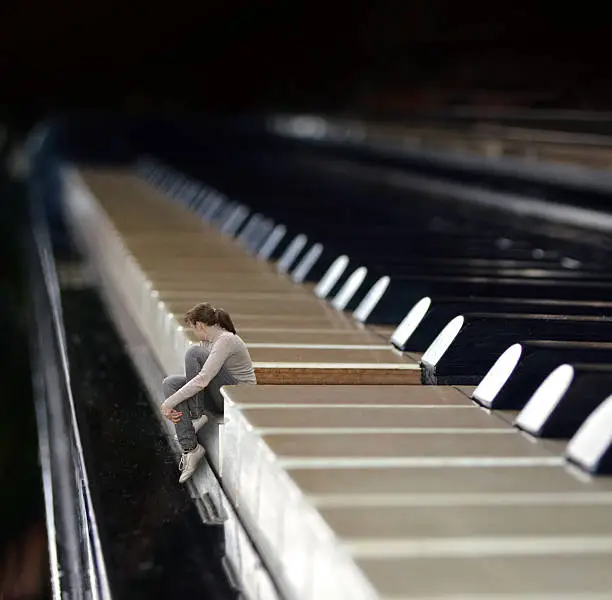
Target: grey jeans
209,400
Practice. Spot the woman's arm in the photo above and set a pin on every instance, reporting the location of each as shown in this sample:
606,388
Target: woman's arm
221,349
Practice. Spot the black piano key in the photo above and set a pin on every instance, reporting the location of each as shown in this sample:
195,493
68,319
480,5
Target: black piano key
465,268
389,312
273,244
405,291
517,373
505,263
470,344
385,248
323,263
371,299
293,253
591,446
410,323
564,400
305,263
443,310
351,288
545,273
259,235
374,253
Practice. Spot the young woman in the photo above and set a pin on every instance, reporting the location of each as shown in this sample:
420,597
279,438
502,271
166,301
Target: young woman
221,358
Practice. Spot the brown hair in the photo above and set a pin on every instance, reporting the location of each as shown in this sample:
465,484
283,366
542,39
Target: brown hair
209,315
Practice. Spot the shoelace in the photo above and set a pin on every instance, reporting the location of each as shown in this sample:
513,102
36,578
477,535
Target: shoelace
182,462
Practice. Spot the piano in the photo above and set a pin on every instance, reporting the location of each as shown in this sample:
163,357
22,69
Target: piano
433,414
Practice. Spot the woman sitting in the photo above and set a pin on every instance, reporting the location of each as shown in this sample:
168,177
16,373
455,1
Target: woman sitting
221,358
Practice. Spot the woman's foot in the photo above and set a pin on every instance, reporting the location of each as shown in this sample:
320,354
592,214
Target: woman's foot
189,463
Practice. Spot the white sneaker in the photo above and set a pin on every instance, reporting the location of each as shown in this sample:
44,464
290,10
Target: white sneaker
189,463
199,422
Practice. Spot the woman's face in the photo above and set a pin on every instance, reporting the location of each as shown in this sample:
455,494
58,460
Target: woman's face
200,330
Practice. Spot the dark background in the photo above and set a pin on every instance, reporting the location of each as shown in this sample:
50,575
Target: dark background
336,56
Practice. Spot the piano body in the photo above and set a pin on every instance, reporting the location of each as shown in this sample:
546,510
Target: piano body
433,348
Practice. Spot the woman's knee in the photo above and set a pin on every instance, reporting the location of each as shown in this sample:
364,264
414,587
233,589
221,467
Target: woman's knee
172,383
195,352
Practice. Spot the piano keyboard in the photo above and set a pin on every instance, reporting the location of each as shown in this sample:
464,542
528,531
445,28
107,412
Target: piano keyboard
432,417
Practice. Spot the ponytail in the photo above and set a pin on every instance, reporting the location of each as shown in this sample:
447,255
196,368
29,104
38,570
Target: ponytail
224,320
206,313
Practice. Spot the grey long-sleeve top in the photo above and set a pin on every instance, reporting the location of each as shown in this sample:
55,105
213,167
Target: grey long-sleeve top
227,350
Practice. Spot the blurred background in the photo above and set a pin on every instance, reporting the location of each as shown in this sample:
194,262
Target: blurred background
424,68
387,58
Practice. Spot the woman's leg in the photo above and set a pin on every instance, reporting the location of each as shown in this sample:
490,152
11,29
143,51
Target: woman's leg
184,428
193,408
195,357
209,400
185,432
212,398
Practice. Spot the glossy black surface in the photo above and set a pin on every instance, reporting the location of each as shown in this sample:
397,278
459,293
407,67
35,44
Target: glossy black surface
445,309
405,291
483,337
538,359
154,541
589,387
23,541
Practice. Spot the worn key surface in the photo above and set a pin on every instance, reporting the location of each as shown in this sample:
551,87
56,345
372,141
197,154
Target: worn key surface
478,485
329,355
260,334
390,448
312,395
362,527
483,574
300,419
240,307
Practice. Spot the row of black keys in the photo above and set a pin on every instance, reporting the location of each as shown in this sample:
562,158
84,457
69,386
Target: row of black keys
519,304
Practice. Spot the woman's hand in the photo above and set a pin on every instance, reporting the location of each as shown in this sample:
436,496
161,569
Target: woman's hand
171,414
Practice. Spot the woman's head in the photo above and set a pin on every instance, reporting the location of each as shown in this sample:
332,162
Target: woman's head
205,315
